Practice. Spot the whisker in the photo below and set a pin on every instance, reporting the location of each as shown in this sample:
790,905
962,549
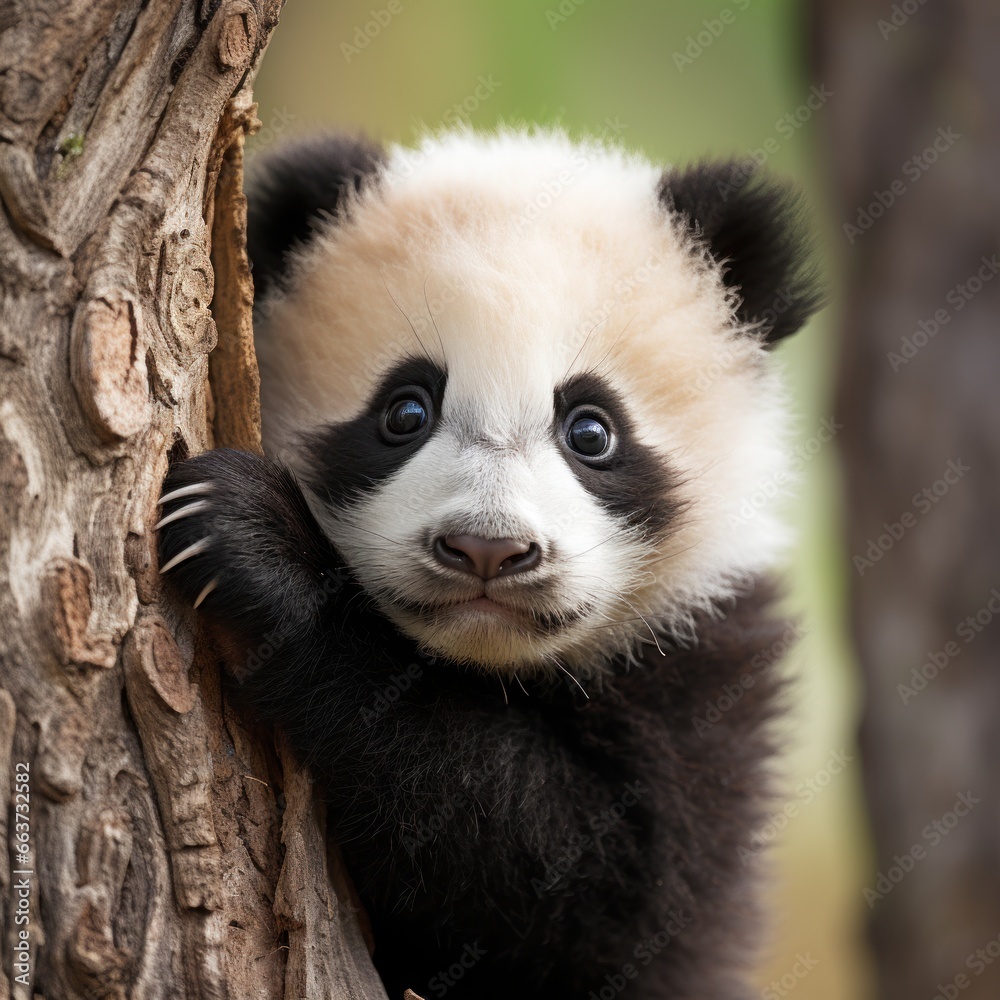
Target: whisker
430,313
369,600
357,527
611,370
656,641
642,618
614,344
586,339
614,534
403,314
673,554
610,623
573,679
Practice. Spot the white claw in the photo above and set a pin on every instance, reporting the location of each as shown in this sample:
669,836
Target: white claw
205,591
195,489
191,508
192,550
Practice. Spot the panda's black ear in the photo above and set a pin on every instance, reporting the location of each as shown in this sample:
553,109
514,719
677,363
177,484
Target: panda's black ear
293,188
753,226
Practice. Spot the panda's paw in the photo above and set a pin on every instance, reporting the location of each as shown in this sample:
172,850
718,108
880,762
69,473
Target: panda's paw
232,531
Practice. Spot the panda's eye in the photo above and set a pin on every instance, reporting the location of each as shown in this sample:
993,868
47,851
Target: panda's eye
589,434
589,437
407,415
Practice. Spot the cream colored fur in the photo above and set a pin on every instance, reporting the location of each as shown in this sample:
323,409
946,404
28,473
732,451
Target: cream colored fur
519,259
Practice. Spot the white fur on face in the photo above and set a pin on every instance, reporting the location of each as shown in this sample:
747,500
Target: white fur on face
518,261
511,485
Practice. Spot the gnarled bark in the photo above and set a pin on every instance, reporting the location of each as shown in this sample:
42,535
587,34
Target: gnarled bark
158,862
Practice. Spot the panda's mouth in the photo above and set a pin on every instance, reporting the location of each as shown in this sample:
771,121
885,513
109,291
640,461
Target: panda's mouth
481,606
479,603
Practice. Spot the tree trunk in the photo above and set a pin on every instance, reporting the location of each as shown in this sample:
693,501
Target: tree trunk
148,856
914,147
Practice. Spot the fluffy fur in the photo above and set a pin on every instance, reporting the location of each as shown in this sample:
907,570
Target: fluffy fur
524,783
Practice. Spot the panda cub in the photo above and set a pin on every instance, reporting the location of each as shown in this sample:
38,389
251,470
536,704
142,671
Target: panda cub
515,390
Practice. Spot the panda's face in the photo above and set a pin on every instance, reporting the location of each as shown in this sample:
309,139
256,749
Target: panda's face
528,425
504,521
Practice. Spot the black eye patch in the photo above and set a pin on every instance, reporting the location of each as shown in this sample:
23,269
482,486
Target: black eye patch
598,438
350,459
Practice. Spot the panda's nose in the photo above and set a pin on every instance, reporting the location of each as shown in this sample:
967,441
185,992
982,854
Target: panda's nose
486,558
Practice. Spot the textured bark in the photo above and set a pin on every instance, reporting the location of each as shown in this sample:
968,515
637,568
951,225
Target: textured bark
160,864
908,411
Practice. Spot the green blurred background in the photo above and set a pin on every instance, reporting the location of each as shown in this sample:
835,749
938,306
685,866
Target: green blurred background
658,78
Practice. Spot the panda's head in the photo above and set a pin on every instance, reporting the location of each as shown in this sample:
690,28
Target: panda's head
525,382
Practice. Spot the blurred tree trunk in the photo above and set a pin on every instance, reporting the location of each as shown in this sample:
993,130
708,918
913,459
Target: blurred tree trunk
145,854
918,230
